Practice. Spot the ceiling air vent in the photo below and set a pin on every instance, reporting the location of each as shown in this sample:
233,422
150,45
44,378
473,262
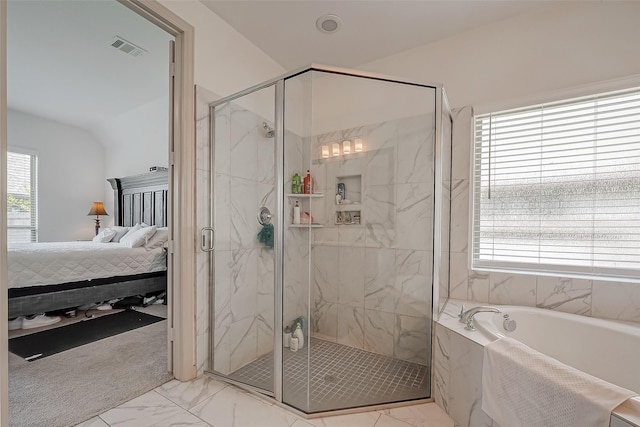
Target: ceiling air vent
127,47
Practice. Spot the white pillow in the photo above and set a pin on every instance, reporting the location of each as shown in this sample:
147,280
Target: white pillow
105,235
131,230
158,239
138,237
120,233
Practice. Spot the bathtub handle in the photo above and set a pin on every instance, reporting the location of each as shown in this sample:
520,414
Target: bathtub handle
509,324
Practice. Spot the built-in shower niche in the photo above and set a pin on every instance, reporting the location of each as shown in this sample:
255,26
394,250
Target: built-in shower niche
348,200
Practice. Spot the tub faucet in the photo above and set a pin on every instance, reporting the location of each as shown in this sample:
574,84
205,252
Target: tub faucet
467,316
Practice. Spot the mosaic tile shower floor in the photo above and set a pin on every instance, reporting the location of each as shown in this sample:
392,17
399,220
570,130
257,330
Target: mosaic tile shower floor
339,377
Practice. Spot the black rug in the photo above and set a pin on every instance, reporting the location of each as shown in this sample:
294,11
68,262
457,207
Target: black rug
42,344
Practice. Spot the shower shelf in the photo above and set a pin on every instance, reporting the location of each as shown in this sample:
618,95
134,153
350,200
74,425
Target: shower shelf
305,196
305,226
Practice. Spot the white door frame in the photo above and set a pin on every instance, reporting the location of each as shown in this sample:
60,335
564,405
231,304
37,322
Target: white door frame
4,311
182,160
181,262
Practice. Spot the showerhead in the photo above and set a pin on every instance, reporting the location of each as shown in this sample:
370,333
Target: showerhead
269,132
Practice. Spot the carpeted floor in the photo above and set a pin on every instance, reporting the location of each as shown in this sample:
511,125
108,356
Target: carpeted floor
73,386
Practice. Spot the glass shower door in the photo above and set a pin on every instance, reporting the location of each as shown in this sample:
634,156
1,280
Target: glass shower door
358,264
243,285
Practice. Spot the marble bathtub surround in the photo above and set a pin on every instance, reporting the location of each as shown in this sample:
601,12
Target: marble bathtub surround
457,369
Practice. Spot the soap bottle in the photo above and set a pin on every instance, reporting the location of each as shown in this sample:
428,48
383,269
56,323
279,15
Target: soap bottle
293,344
296,213
286,336
295,183
299,335
307,183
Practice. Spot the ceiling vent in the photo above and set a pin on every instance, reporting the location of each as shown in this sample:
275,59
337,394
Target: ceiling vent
127,47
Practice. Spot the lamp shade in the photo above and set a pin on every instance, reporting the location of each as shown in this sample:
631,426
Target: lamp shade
97,208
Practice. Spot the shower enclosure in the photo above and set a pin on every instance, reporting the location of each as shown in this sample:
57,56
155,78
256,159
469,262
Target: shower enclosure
355,256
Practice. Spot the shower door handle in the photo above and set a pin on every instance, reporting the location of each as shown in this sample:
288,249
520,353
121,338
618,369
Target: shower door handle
203,239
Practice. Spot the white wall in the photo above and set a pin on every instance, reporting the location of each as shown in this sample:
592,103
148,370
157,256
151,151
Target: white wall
560,47
225,61
136,140
70,174
537,57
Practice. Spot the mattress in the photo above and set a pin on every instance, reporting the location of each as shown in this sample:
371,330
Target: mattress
39,264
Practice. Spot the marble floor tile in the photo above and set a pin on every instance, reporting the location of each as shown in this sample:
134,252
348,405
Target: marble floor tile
424,415
150,409
93,422
387,421
365,419
192,393
212,403
233,407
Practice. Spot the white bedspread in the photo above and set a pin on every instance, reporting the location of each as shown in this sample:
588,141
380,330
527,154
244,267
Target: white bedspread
37,264
522,387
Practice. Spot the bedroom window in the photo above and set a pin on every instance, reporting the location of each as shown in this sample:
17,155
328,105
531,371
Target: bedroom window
22,206
557,188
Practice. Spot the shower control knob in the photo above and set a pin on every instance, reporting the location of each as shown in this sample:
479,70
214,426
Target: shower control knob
509,324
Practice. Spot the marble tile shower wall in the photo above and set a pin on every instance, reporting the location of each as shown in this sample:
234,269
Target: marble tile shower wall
371,283
244,285
602,299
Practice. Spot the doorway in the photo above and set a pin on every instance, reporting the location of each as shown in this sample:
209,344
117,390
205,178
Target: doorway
181,129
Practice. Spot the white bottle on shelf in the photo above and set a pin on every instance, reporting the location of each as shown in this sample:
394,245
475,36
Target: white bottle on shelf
293,344
296,213
299,335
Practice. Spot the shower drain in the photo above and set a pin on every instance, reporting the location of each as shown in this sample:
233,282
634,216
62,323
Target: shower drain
330,379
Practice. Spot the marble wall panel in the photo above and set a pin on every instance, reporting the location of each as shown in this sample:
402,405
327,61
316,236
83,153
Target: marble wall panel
412,339
441,366
351,326
414,276
414,216
324,321
351,276
564,294
465,387
381,291
379,328
502,290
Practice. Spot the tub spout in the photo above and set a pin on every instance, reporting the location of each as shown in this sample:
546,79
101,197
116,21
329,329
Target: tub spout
467,316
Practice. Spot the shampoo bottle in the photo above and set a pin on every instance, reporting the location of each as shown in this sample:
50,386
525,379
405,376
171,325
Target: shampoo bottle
293,344
299,335
296,213
307,183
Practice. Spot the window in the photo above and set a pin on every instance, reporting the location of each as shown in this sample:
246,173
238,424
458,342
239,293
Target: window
22,206
557,187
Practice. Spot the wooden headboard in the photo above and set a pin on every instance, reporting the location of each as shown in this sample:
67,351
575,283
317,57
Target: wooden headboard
141,198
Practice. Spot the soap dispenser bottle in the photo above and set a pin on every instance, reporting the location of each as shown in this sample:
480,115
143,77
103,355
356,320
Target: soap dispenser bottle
299,335
296,213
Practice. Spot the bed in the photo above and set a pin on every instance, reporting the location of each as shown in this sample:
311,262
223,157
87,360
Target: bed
45,277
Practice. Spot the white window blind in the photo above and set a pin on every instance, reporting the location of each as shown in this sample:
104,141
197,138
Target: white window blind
557,187
22,206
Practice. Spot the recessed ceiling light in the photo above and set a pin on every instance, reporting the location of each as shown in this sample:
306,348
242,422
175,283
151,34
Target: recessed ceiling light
328,24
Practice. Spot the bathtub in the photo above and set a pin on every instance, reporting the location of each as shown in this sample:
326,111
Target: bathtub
606,349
